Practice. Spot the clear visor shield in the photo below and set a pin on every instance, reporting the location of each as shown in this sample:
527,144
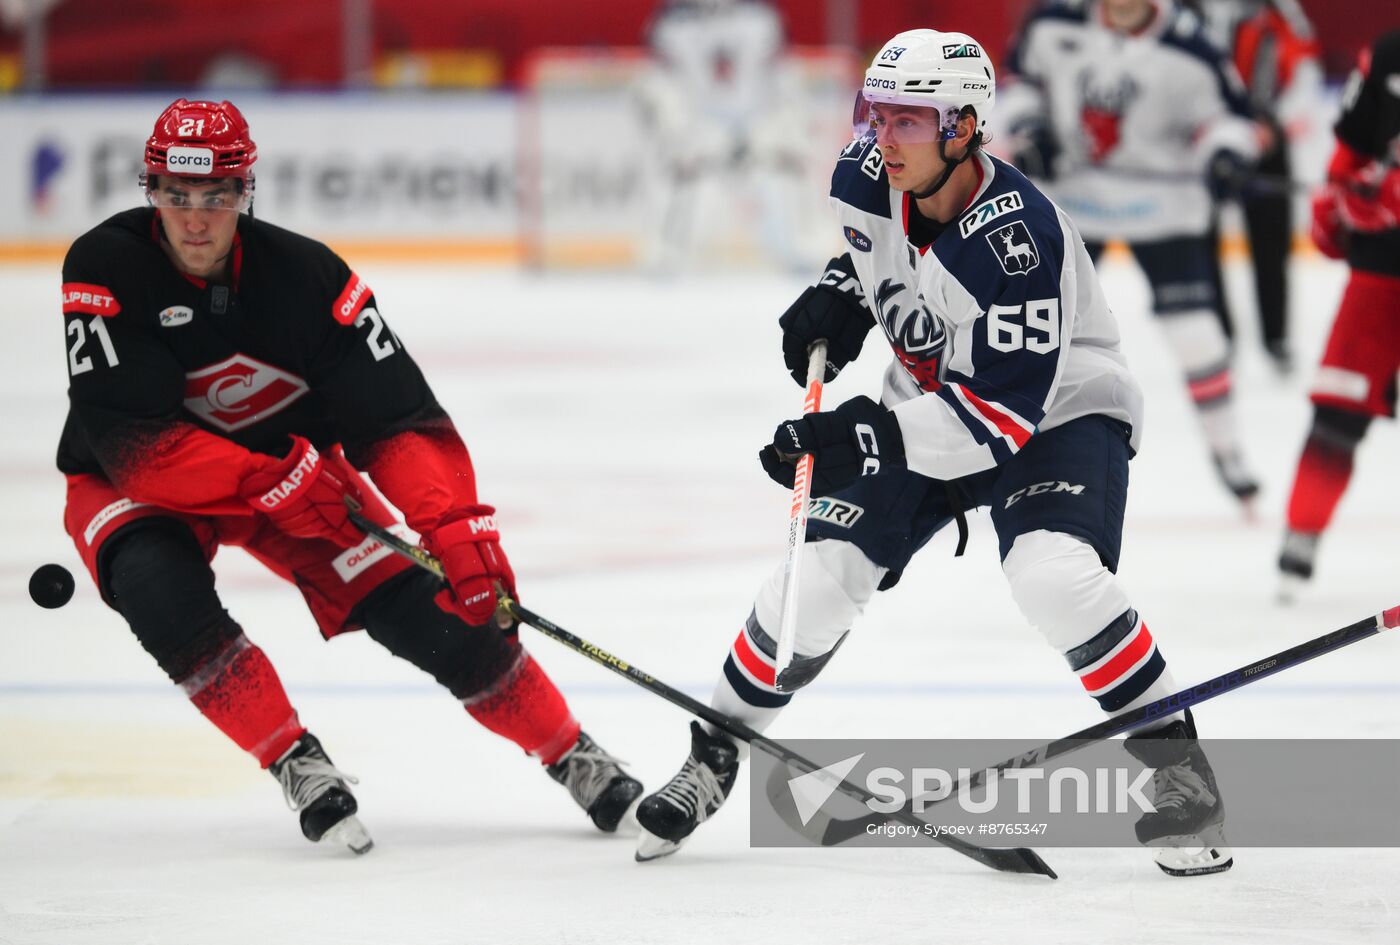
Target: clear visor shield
888,122
232,194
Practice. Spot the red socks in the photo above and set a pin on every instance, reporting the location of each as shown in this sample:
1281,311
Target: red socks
1323,473
525,706
238,690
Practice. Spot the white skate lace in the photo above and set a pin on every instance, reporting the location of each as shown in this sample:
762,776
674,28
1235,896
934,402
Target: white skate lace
1176,785
693,790
590,770
305,779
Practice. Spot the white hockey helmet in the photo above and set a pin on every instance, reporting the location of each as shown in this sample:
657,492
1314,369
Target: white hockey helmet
929,69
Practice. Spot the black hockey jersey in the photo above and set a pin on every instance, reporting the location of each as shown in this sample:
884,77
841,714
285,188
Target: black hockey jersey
179,387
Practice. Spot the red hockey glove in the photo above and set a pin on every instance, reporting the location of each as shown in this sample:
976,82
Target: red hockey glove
1370,199
469,548
304,494
1328,228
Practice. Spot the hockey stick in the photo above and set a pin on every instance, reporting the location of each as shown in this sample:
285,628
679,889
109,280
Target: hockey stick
797,523
827,830
1247,181
1011,860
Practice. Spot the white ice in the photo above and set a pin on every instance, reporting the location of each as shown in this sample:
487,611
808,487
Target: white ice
615,423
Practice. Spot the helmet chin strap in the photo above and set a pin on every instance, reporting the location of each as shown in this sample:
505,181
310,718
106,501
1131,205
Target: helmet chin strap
948,169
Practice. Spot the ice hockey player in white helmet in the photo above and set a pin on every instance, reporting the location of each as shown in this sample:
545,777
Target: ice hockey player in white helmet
1007,390
1146,124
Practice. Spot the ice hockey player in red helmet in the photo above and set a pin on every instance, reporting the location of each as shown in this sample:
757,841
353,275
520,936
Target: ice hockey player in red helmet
1007,389
234,383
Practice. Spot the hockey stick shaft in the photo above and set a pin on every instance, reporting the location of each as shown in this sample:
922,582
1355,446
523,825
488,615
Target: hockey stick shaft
1016,860
1249,180
835,830
797,521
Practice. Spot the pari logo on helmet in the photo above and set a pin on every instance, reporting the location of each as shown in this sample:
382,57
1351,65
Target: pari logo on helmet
201,140
929,69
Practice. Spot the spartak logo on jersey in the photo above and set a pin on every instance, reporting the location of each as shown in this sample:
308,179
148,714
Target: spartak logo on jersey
1102,105
240,391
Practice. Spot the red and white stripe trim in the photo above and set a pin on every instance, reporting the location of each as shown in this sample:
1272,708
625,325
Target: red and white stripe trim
998,419
759,668
1209,388
1119,663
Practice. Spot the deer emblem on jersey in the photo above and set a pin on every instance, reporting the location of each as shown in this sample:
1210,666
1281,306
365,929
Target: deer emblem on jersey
1016,250
1018,253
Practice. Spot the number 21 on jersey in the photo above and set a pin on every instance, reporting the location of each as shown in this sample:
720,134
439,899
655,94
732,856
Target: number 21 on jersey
80,354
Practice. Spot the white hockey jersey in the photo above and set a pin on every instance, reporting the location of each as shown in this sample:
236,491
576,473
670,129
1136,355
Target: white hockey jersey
999,327
1136,117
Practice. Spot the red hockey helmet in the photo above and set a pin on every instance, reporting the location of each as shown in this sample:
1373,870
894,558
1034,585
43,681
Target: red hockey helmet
201,139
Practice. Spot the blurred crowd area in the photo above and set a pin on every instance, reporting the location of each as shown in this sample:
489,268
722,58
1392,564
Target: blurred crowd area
84,45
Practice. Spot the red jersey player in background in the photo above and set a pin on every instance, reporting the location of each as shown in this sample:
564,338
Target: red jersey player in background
229,380
1356,217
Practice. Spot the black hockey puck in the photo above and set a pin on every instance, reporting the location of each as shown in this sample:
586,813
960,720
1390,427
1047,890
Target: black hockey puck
51,586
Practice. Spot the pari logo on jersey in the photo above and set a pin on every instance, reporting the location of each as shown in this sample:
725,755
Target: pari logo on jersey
835,511
857,239
240,391
1014,248
986,212
176,315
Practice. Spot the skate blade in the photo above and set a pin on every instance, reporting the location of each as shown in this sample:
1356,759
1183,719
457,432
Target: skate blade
1194,854
651,847
1290,588
628,826
352,834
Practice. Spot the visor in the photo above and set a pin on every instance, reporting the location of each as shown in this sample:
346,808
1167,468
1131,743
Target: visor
903,124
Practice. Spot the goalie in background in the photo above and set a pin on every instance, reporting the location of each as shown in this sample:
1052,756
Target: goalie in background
724,132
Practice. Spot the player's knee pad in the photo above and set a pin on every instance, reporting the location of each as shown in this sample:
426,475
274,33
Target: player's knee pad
1061,587
1198,342
1337,430
158,579
836,583
402,616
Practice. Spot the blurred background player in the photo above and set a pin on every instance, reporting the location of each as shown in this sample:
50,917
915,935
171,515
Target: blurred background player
1276,55
1126,109
1356,217
1008,390
217,363
723,117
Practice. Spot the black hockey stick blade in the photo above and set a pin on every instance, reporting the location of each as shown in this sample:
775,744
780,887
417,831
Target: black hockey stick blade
829,831
1010,860
1006,860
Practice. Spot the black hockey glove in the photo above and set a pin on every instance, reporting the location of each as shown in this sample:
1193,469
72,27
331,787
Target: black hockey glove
831,309
1033,148
858,438
1226,174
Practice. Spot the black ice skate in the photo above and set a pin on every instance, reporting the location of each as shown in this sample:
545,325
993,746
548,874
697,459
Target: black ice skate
316,788
1236,477
597,782
691,797
1295,564
1187,825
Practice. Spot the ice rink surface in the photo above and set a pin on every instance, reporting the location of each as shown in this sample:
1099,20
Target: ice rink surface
614,422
